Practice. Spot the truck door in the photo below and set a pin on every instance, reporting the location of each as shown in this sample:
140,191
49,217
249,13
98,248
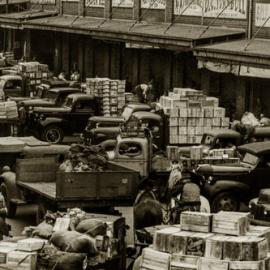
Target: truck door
133,155
81,111
13,88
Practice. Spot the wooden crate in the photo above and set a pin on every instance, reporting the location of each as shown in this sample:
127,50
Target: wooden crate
178,242
184,262
208,112
172,152
199,122
253,265
182,121
214,246
245,248
183,131
196,243
219,112
196,221
260,231
233,224
161,238
212,264
154,260
183,112
173,122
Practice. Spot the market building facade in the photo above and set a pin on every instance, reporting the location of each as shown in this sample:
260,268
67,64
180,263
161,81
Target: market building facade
139,40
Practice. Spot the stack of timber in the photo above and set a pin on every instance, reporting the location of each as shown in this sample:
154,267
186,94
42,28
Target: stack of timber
222,241
191,113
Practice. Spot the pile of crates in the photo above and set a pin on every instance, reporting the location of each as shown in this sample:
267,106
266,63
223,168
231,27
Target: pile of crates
8,110
204,241
34,71
191,113
111,92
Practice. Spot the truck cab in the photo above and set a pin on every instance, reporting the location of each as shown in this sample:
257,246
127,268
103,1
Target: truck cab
12,85
51,124
26,148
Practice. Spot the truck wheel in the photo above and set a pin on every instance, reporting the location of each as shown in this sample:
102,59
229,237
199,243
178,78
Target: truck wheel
52,134
11,206
41,211
225,201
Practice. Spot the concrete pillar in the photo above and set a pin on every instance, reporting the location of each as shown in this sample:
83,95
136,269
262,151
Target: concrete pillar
115,61
178,70
27,44
205,81
240,98
65,53
57,54
108,9
81,8
81,57
137,9
89,58
169,11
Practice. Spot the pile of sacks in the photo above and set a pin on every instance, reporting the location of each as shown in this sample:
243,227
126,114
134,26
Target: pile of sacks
85,158
73,240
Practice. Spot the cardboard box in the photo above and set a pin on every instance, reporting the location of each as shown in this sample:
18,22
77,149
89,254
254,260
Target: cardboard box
153,260
31,244
196,221
27,260
183,262
4,250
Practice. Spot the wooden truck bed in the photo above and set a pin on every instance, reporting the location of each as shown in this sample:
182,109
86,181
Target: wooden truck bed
114,186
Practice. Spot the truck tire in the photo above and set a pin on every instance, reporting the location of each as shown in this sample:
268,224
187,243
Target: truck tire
226,201
52,134
41,211
11,206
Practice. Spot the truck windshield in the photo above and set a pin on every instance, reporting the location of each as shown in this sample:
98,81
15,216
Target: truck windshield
207,140
68,102
51,96
250,159
127,113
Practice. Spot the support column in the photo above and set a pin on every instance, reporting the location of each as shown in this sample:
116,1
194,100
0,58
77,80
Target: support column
115,61
81,57
137,9
81,8
108,9
26,44
65,53
57,55
169,11
205,81
89,58
178,70
240,98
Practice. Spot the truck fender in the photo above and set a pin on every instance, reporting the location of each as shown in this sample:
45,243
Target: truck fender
9,179
51,121
211,190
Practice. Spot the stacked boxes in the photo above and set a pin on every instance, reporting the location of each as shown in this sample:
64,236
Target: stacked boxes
191,113
8,110
189,249
34,71
112,93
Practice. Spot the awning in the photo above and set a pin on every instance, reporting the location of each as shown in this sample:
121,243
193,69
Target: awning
15,20
13,2
180,36
236,57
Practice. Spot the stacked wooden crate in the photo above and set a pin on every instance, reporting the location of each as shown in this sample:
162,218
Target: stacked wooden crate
196,245
34,71
8,110
191,113
112,93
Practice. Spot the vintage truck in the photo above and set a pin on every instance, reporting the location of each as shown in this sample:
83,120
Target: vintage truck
228,185
13,148
100,128
51,124
37,180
